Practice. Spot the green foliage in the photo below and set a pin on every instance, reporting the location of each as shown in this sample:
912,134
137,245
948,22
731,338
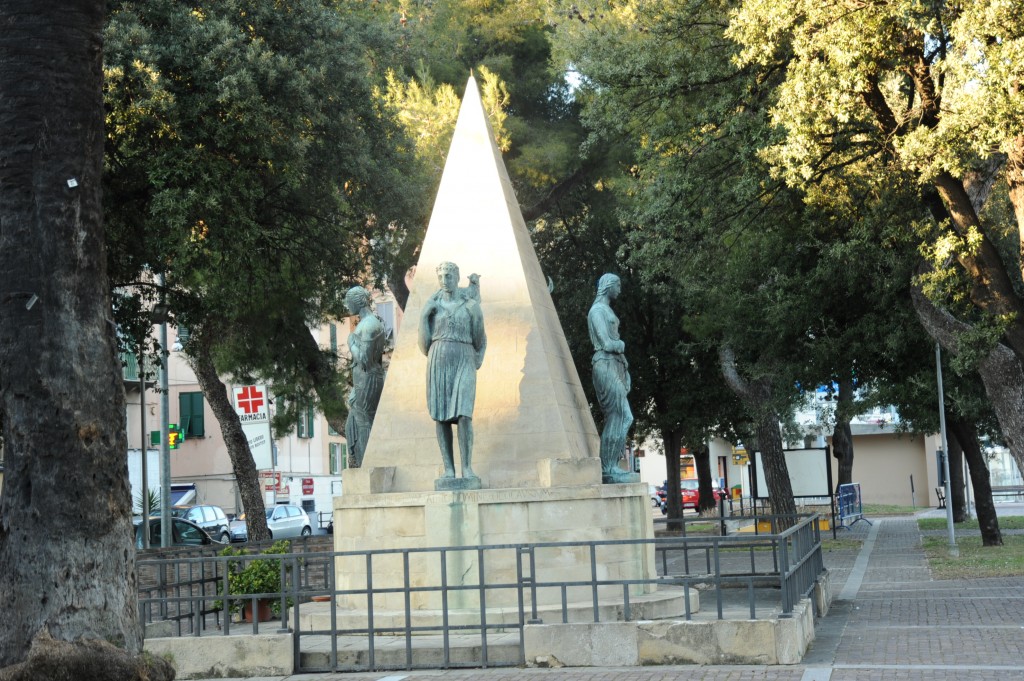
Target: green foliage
254,576
249,160
148,499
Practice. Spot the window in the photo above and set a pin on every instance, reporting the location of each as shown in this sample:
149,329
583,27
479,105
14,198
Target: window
191,417
338,457
306,419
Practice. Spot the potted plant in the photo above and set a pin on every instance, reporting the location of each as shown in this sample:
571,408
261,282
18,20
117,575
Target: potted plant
255,576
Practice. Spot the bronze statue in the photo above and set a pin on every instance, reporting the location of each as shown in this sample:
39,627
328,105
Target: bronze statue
611,379
452,337
366,345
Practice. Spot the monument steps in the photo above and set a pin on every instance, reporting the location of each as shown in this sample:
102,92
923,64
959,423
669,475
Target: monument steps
665,603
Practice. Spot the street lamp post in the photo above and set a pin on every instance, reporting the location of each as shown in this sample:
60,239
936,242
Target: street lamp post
165,449
953,550
143,448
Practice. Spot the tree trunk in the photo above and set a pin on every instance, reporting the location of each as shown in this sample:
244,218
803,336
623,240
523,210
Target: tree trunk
755,398
673,440
842,434
967,435
67,566
957,488
216,394
1000,370
992,289
773,460
702,459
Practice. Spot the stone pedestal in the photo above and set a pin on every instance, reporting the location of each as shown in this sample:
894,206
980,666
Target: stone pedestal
461,521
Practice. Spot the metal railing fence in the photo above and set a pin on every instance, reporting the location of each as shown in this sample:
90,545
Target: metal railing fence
496,588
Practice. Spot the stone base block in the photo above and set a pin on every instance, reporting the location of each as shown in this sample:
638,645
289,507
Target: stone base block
443,484
236,656
761,642
460,521
568,472
372,480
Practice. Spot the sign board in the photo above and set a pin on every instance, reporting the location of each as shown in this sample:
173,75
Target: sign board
810,473
251,405
307,485
272,482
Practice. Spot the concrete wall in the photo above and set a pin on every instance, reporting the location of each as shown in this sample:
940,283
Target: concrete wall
883,464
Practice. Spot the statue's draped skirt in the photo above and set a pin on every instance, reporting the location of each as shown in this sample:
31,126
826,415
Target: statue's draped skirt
451,380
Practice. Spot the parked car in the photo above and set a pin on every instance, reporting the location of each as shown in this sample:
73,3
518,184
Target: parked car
656,494
691,495
183,533
238,528
210,518
285,520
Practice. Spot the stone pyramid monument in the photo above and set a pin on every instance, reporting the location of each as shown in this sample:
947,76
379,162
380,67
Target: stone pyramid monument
536,448
530,406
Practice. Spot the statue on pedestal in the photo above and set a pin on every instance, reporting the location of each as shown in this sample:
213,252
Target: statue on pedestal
366,346
452,337
611,379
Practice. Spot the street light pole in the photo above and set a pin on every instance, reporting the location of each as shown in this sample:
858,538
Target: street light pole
953,550
143,448
165,445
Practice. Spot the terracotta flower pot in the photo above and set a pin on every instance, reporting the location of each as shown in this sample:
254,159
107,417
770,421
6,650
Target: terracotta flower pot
263,611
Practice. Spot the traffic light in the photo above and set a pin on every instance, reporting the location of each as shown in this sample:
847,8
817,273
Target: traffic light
173,436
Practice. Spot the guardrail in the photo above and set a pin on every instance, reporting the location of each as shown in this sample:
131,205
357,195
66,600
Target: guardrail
851,507
759,575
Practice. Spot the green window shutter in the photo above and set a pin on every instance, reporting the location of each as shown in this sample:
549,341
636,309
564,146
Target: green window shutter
344,456
198,420
334,339
192,420
311,416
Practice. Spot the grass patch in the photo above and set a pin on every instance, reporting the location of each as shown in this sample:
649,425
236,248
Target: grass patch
841,544
692,529
1009,522
890,509
975,561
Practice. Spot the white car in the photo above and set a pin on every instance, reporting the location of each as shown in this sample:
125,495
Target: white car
285,520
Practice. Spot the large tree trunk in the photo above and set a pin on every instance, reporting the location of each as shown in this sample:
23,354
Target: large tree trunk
967,435
216,394
992,289
957,487
755,397
1000,370
702,459
842,434
773,460
67,566
673,440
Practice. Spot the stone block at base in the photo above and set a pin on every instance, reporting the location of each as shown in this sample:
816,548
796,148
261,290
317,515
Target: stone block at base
222,657
767,641
501,518
566,472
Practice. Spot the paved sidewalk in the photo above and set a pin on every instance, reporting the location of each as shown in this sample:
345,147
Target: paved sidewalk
889,622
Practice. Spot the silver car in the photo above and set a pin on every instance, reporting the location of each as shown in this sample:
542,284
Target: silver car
286,520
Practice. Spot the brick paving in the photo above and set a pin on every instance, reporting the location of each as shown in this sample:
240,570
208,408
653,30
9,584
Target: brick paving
898,625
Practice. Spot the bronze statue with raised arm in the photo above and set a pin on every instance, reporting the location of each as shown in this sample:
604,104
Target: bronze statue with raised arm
452,337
